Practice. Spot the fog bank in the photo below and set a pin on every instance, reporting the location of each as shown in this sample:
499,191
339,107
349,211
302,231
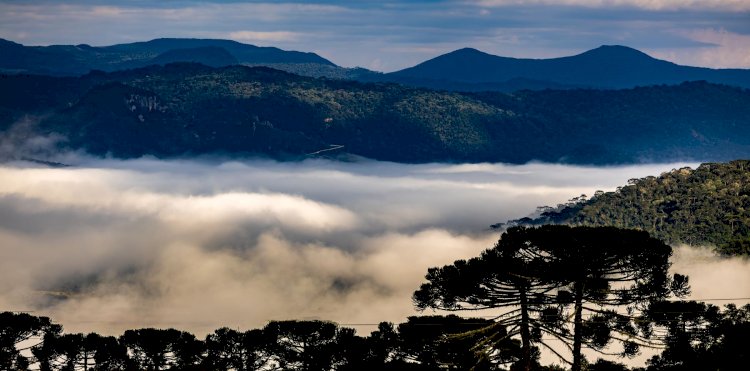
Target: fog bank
109,245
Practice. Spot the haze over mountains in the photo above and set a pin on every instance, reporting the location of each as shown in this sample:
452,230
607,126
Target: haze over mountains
606,67
81,59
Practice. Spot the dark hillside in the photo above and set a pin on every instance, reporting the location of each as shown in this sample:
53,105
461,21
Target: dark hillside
187,108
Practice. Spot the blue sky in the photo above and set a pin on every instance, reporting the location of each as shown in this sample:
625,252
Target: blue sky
390,35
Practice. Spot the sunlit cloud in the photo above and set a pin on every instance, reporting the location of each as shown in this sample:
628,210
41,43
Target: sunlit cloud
108,245
263,37
724,49
731,5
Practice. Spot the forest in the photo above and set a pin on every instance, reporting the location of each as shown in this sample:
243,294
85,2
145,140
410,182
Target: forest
709,205
184,109
535,292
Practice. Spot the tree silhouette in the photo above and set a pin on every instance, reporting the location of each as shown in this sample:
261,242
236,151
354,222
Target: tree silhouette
302,345
511,276
536,274
228,349
68,352
18,328
611,274
700,336
450,342
109,354
153,349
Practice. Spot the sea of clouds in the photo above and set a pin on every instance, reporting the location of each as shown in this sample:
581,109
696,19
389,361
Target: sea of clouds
107,245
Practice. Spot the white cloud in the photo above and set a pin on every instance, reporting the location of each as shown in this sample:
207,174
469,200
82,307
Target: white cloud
713,277
263,36
199,245
727,5
731,50
73,23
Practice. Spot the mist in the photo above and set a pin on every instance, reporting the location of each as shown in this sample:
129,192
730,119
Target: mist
108,245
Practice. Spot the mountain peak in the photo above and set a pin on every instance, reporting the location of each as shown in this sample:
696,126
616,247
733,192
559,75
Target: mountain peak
466,53
607,67
616,51
467,50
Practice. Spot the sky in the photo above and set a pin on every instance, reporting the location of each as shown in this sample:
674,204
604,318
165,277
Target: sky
392,35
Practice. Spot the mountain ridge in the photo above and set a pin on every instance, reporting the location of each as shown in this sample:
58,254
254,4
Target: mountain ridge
465,69
188,108
604,67
72,60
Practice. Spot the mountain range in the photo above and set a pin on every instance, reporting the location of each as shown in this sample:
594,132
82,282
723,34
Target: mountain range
189,109
606,67
66,60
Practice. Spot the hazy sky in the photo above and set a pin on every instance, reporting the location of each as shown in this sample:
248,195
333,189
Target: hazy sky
390,35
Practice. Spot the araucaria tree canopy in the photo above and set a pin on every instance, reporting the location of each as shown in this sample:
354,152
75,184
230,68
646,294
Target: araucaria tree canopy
546,280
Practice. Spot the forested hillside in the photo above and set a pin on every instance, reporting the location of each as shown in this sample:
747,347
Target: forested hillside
182,109
708,205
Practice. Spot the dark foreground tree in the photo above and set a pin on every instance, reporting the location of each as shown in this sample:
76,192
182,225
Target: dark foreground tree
451,342
701,336
508,277
21,328
535,275
68,352
156,349
109,354
302,345
610,276
228,349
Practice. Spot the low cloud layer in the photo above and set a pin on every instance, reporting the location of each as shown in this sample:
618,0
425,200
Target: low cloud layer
110,245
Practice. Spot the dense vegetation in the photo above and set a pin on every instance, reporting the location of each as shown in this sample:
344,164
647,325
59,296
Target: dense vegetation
711,339
183,109
709,205
524,271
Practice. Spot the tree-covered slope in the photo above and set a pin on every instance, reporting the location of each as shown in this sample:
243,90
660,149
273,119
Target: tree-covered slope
708,205
185,108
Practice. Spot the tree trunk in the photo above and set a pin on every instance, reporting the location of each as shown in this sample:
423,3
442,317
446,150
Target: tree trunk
577,338
525,335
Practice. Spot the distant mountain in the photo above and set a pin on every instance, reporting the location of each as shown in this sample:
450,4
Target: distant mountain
704,206
186,109
213,56
62,60
608,67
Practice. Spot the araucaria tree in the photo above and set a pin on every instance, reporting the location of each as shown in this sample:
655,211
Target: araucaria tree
541,277
510,277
